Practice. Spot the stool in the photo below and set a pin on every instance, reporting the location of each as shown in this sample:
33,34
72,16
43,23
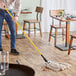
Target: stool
56,27
39,11
70,45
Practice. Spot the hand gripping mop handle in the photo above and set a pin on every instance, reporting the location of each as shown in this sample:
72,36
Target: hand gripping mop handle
27,36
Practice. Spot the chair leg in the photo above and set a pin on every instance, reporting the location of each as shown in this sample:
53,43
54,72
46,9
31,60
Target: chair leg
50,34
29,30
5,29
34,29
23,28
16,27
55,36
7,32
70,46
40,30
63,34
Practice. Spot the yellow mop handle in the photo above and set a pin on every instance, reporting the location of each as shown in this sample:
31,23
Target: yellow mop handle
24,32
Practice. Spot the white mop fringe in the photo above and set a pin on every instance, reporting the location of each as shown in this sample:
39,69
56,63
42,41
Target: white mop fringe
55,66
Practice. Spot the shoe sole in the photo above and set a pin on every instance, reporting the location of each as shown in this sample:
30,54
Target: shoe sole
13,53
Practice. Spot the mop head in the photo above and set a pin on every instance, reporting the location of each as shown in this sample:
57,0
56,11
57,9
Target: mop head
57,66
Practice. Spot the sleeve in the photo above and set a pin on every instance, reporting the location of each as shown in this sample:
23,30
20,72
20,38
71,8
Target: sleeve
10,4
17,7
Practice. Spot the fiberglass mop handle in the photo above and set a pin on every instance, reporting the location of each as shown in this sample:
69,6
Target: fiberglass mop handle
24,32
27,37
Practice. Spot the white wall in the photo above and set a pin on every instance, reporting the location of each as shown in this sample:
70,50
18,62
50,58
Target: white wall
68,5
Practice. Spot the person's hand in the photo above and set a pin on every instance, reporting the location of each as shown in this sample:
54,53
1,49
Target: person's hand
15,18
2,5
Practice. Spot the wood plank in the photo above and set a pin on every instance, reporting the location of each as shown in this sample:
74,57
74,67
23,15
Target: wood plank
30,57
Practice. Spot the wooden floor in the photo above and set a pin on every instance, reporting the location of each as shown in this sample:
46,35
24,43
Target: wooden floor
30,57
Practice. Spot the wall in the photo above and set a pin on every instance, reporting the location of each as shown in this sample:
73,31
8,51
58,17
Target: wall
68,5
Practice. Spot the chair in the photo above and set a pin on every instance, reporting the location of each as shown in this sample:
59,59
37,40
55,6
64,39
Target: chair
56,27
39,11
6,29
70,45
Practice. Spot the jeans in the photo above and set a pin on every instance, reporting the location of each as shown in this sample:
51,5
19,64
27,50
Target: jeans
11,25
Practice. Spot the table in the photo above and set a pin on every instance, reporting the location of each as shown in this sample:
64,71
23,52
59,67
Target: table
18,36
66,46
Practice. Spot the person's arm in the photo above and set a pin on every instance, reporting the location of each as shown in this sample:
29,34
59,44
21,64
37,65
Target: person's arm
2,5
10,4
16,4
17,8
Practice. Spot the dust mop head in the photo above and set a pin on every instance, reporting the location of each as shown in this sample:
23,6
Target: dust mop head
57,66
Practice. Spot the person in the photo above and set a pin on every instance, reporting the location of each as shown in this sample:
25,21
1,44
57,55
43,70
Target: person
10,5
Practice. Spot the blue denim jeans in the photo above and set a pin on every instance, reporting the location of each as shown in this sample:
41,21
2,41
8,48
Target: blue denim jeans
11,25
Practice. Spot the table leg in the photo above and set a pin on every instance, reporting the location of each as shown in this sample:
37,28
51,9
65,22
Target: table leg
67,34
65,46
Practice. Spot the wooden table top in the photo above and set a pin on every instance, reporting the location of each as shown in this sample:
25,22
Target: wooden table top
24,12
63,19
